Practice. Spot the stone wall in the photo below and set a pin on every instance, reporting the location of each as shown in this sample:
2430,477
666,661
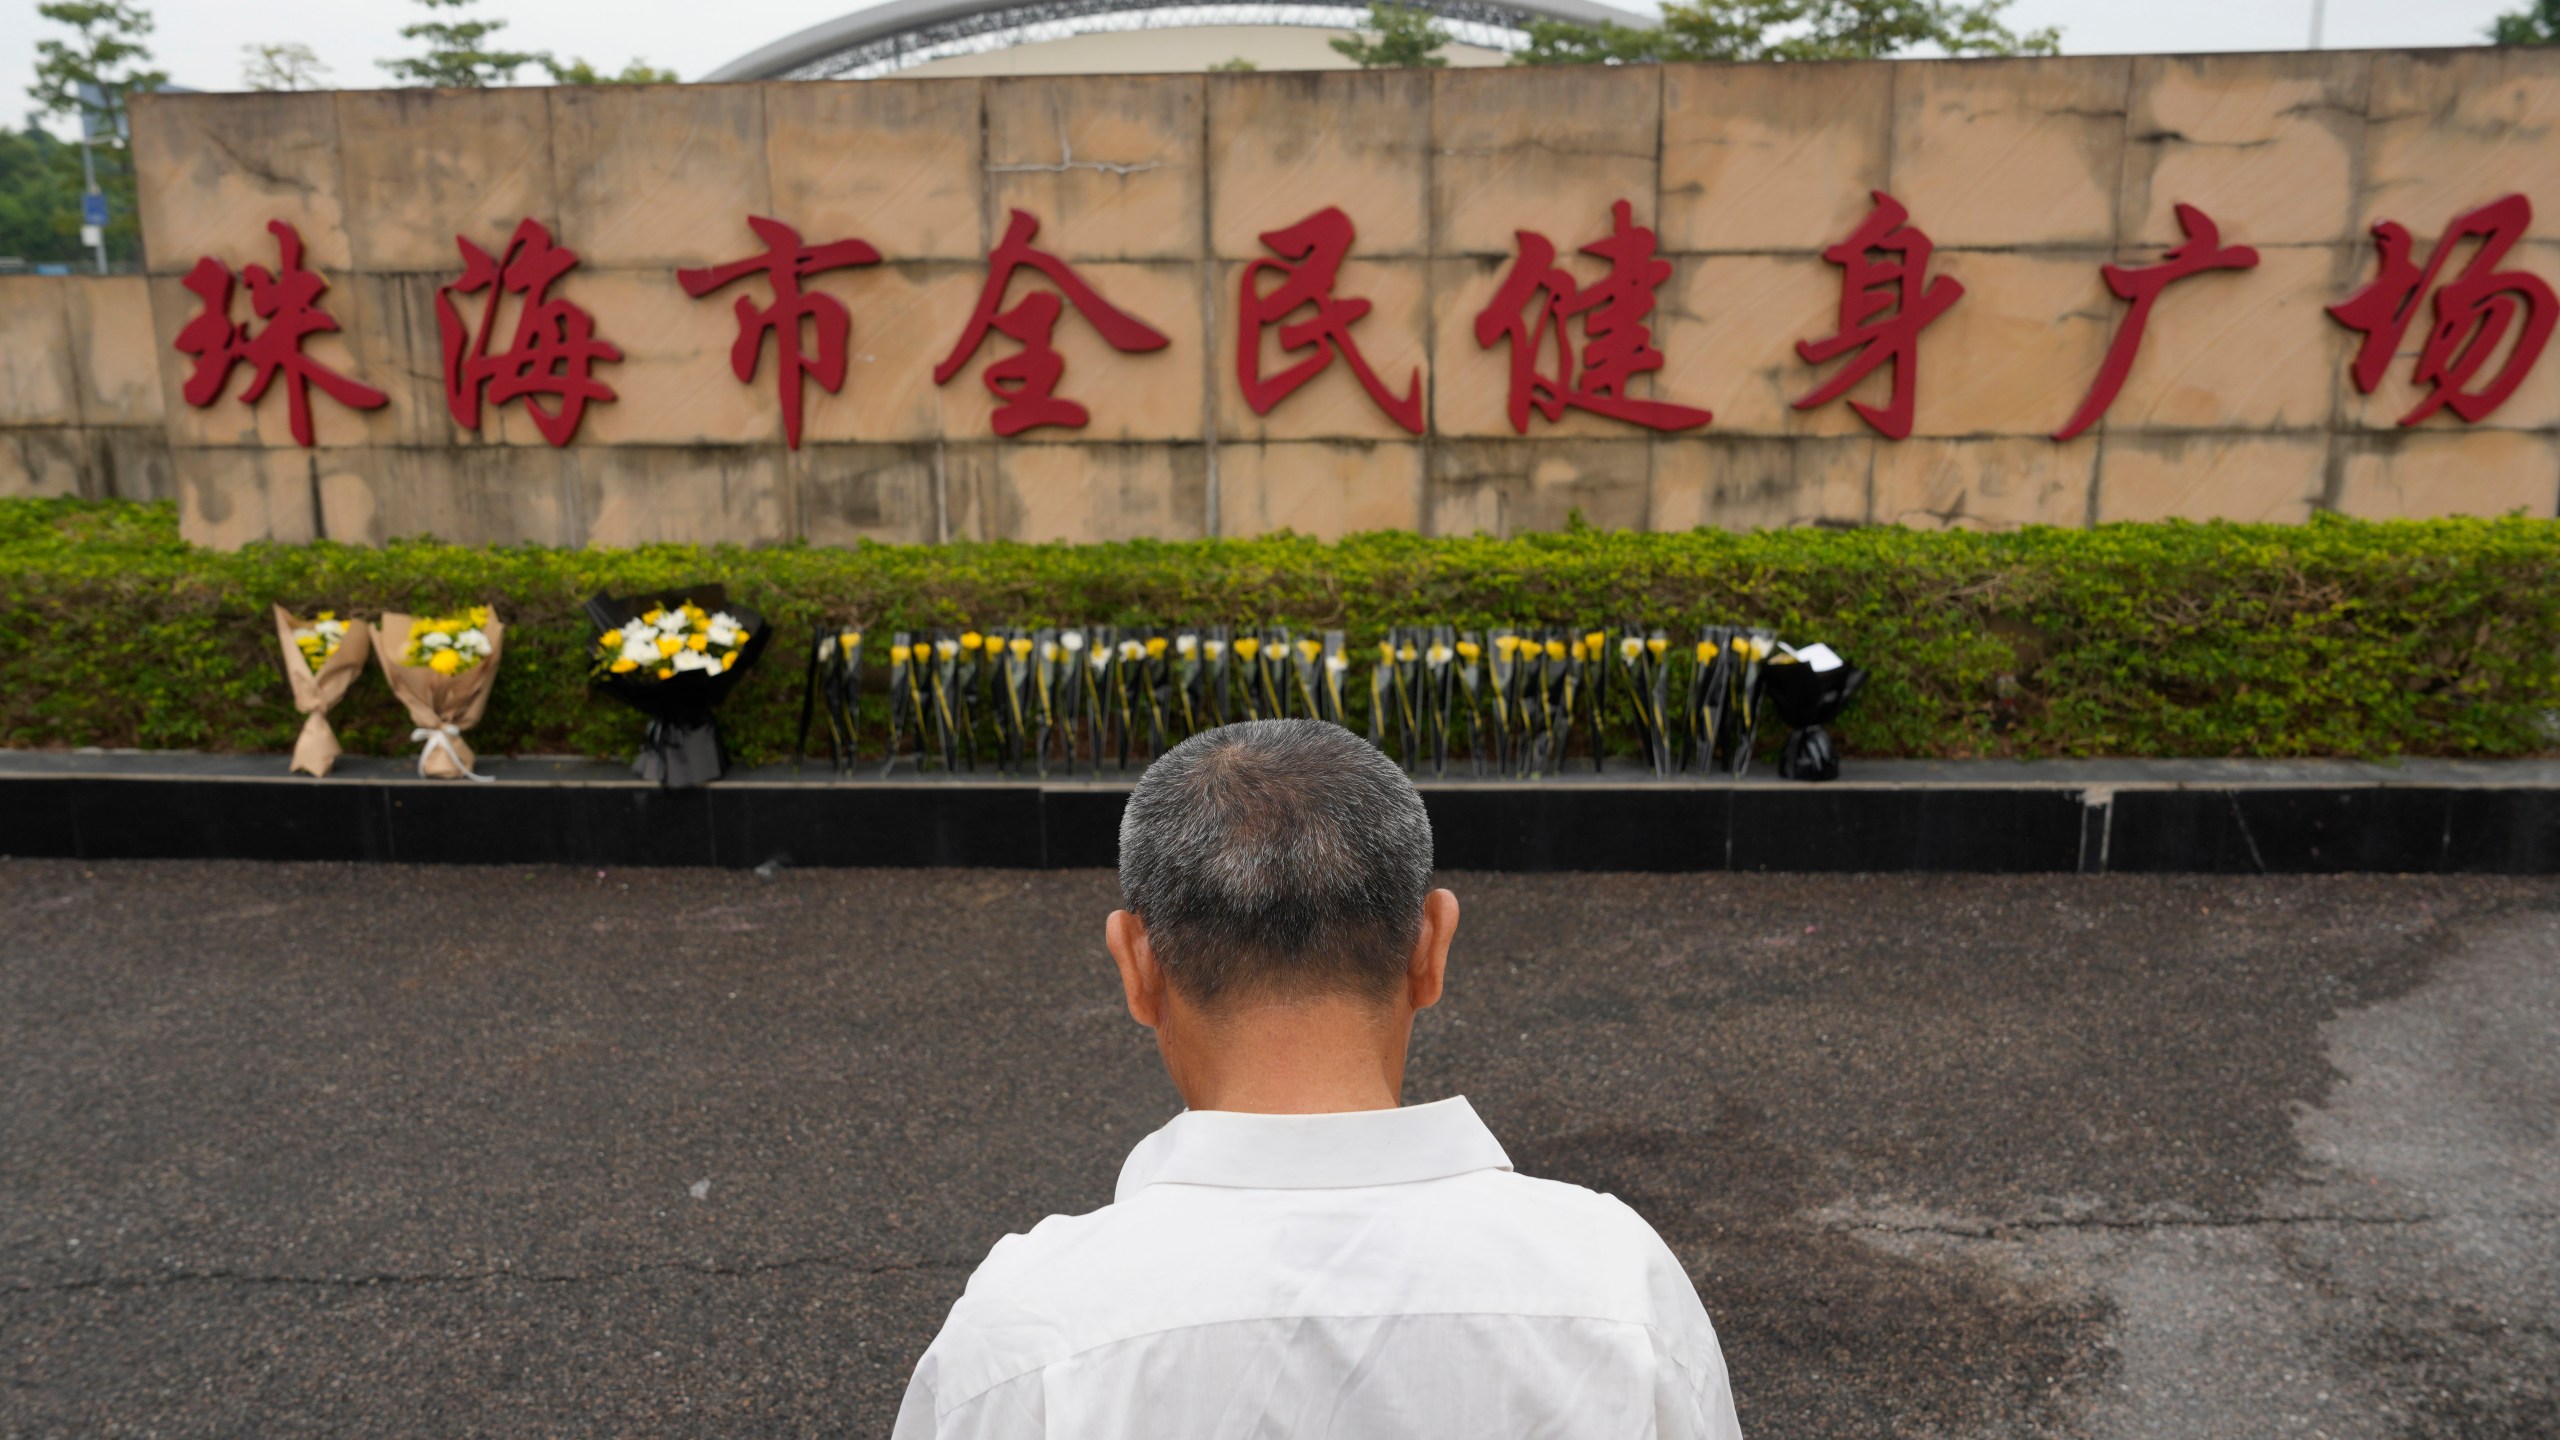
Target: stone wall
80,389
2028,175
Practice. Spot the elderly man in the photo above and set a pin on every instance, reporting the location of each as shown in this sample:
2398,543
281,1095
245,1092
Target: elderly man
1294,1255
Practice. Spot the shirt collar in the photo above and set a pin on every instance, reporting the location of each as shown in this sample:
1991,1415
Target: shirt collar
1314,1152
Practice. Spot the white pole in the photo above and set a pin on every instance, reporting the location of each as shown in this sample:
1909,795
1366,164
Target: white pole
2316,7
89,173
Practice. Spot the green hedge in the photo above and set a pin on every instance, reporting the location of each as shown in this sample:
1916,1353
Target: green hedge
2333,638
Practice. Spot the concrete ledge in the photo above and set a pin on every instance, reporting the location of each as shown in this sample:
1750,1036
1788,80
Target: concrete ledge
2222,817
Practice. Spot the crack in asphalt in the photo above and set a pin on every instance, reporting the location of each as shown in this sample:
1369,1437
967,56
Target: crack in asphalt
438,1278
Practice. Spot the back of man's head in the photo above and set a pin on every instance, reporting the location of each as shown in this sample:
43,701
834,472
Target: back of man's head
1277,859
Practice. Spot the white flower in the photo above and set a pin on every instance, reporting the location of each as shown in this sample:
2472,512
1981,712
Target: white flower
671,622
1630,648
435,640
1073,640
1438,654
946,648
640,650
1133,650
1185,644
721,631
641,632
1336,663
305,634
721,618
1101,659
694,660
1213,648
331,628
475,640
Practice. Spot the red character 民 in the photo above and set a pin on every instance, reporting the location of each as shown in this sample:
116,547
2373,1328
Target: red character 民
2473,313
1884,305
1027,382
554,351
1314,250
786,262
2201,251
1617,344
288,300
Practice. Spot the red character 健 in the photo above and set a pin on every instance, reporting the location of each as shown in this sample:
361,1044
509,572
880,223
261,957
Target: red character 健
1884,305
2473,313
1314,249
1617,344
288,300
1027,382
786,262
554,351
2202,250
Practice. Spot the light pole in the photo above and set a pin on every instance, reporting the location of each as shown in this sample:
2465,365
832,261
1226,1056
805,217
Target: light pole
2316,7
93,201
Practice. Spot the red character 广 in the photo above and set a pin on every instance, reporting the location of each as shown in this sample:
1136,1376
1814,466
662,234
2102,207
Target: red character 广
1317,245
1027,382
786,262
2202,250
1884,305
288,300
2473,312
554,351
1617,344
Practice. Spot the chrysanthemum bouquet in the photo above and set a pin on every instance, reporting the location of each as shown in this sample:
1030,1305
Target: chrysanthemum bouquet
672,640
322,657
442,668
674,657
451,644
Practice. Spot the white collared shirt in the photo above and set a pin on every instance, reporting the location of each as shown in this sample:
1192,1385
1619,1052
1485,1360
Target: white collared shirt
1379,1275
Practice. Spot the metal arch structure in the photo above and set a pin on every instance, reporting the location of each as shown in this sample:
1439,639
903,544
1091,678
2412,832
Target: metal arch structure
885,39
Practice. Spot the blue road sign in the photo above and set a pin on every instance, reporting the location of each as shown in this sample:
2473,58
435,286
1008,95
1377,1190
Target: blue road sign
93,209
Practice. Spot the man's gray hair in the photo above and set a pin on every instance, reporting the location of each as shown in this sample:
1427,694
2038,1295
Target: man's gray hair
1278,857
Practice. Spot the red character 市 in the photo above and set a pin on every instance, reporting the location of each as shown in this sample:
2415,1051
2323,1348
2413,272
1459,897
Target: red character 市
1027,382
2473,313
553,353
2201,251
288,300
1314,249
1884,305
786,262
1617,344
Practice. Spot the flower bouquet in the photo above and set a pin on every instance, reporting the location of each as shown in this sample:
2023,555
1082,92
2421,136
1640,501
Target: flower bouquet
1810,687
834,690
441,667
673,657
322,657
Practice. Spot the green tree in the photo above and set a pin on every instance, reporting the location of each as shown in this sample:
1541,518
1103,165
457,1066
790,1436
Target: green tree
1236,66
40,198
1396,36
89,75
2536,24
289,66
1791,30
459,53
579,72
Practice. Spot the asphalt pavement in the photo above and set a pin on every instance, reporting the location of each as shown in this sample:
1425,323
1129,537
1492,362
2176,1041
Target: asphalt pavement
439,1152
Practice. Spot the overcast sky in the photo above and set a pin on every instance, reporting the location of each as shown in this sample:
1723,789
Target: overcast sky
199,41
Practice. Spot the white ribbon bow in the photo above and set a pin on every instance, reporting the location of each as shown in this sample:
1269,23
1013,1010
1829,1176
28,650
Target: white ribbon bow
442,738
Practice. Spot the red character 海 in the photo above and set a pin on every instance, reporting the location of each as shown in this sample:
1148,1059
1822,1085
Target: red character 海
1027,382
1314,249
554,351
2473,313
1884,305
1617,344
288,300
786,262
2201,251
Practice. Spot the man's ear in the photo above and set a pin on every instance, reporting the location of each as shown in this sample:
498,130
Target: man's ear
1140,976
1428,971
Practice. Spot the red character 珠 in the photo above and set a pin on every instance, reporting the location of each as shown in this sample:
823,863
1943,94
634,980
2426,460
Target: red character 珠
1315,248
288,300
786,262
554,351
2201,251
2473,312
1027,382
1884,305
1617,344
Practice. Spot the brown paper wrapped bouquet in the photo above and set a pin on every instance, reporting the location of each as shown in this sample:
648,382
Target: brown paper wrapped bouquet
441,667
322,657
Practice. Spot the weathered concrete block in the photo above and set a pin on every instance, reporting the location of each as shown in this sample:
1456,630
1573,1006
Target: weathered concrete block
423,166
1493,487
906,317
228,497
2010,152
1142,395
37,364
214,169
1728,327
2267,145
1738,483
1324,489
1545,149
1110,165
2451,130
1283,146
2534,406
226,421
868,492
2211,477
1086,492
2423,474
1988,484
1771,157
1394,338
692,494
2238,349
653,176
893,162
2017,353
45,461
115,369
475,495
133,463
673,385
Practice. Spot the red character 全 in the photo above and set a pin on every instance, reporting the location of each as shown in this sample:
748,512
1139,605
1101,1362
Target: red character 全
288,300
2473,312
1617,344
786,262
1884,305
1027,382
1317,245
554,351
2201,251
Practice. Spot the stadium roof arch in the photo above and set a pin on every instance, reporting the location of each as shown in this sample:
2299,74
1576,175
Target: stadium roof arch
884,39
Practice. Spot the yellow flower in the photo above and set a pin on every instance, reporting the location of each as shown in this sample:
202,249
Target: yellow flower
729,659
668,644
745,635
481,615
1505,645
1405,654
971,640
326,615
1386,651
665,673
697,641
1248,647
1657,645
1020,646
849,641
1596,641
1311,648
1706,651
1468,649
446,662
625,667
653,616
1155,648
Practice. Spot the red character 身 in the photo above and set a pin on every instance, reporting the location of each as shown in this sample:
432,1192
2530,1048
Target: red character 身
2473,312
1617,346
1027,382
1884,305
1314,250
288,300
786,262
554,351
2202,250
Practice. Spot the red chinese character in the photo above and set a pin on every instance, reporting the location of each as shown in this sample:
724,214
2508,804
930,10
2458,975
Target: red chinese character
554,351
1617,346
2203,250
2473,313
1027,383
289,302
1318,245
1869,289
787,262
